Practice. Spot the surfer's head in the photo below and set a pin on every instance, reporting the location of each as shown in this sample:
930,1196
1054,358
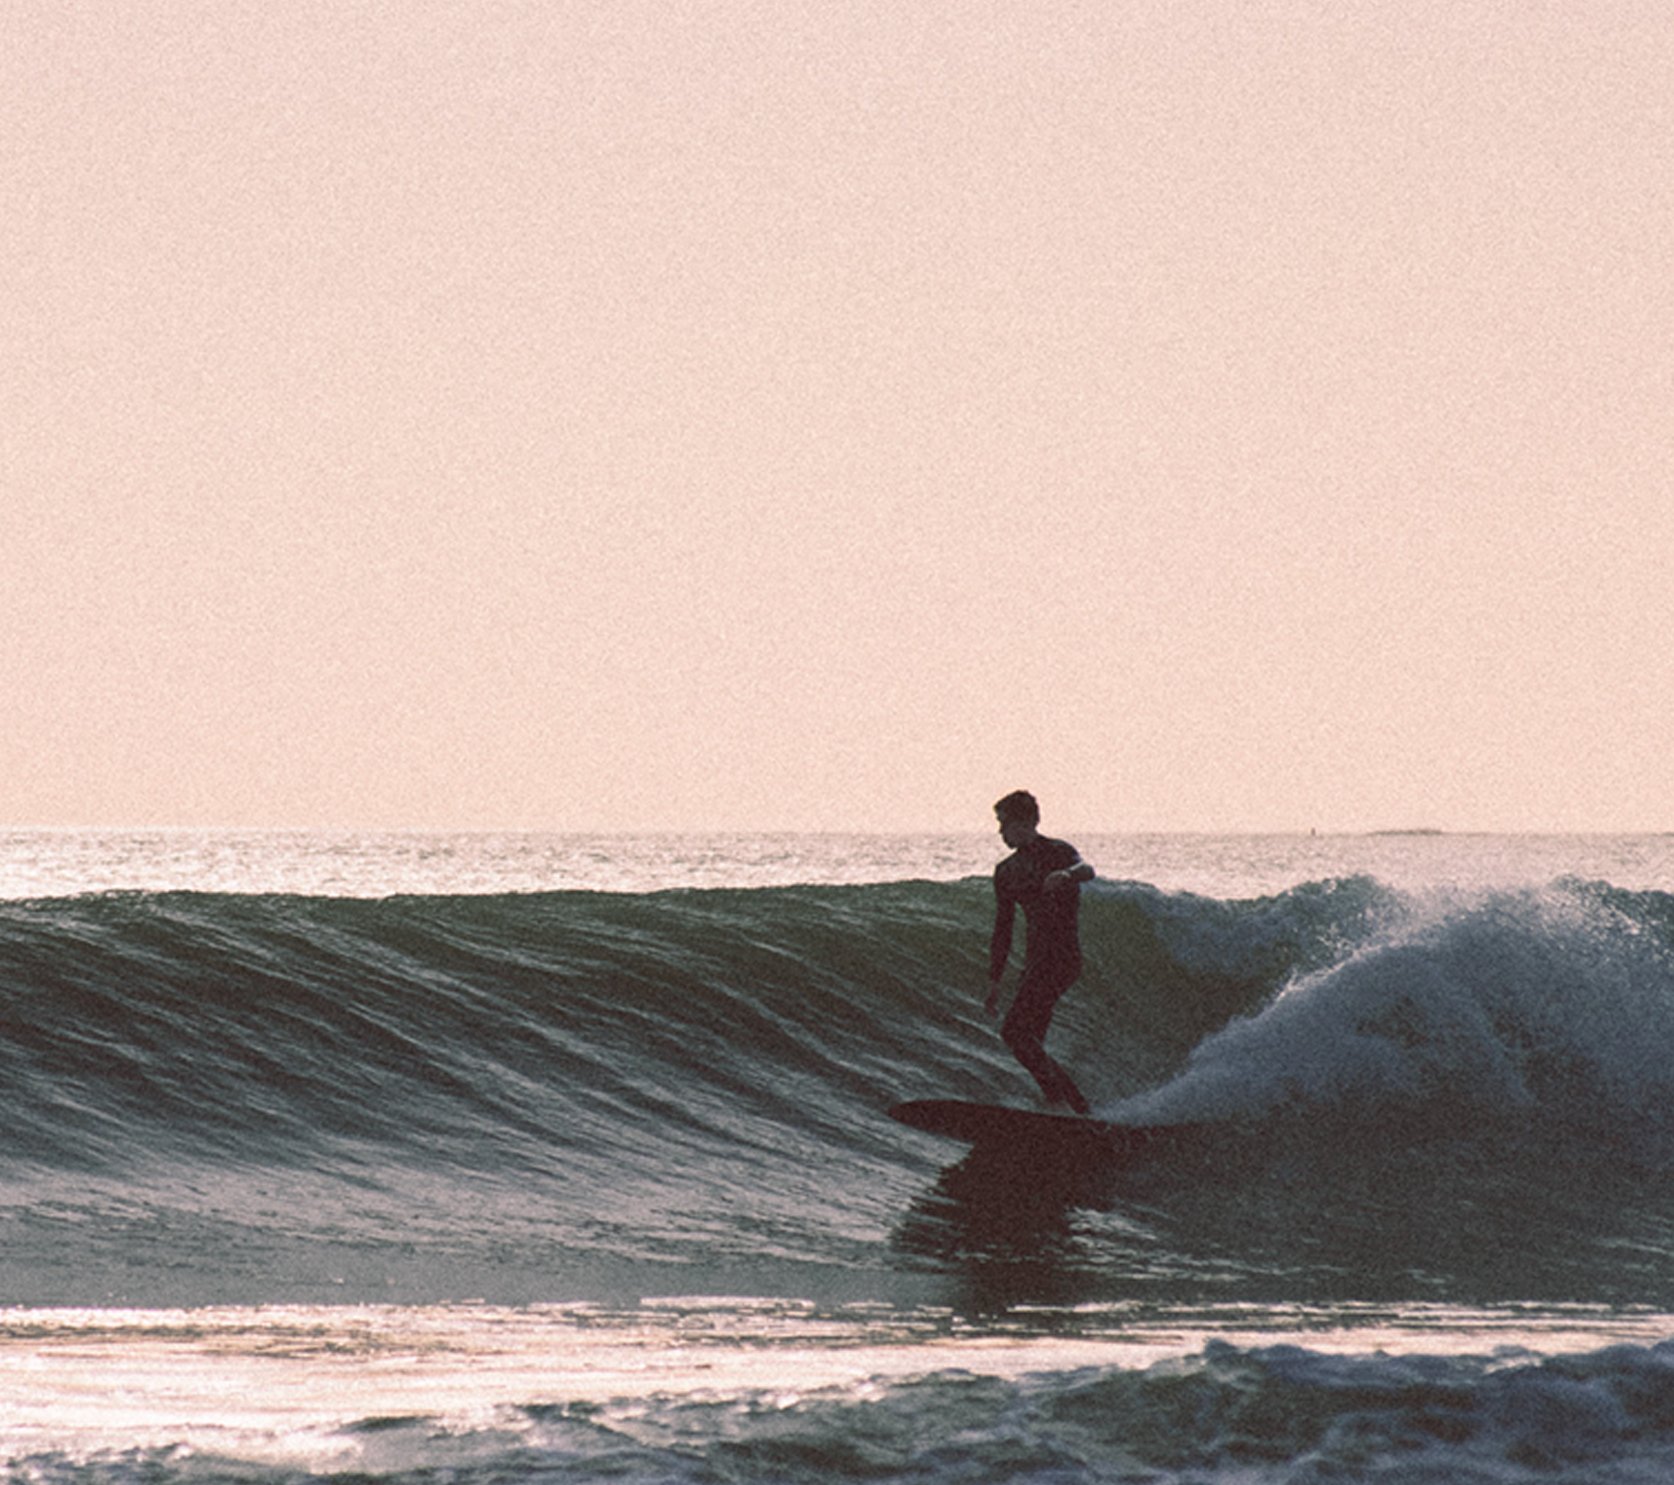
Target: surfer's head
1019,811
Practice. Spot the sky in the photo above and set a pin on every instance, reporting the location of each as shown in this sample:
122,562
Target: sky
787,415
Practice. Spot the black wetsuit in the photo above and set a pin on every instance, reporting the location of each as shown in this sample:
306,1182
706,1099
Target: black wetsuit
1051,957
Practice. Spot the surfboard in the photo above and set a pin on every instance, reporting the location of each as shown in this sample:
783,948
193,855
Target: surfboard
990,1125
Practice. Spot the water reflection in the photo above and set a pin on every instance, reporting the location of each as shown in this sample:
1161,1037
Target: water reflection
1296,1215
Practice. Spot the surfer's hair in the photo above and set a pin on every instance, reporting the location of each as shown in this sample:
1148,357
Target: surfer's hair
1019,805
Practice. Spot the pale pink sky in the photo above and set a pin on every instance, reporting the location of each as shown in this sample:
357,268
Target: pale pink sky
784,414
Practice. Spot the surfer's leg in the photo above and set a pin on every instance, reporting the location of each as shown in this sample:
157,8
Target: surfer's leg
1024,1031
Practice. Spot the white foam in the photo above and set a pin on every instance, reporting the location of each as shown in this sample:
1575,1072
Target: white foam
1496,1001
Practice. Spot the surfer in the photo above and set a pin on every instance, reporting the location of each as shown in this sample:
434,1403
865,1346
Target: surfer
1042,876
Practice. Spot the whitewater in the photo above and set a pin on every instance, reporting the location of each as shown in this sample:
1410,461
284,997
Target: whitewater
506,1157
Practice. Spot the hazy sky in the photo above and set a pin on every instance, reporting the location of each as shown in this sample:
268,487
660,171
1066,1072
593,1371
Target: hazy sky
596,414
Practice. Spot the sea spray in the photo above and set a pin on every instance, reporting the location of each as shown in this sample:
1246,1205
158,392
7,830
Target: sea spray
1550,1005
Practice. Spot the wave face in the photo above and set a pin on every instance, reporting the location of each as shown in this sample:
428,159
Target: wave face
233,1097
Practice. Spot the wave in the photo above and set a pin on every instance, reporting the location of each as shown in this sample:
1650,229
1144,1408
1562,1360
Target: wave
1228,1413
484,1029
700,1077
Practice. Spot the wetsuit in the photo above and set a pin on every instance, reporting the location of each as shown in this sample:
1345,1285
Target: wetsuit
1051,957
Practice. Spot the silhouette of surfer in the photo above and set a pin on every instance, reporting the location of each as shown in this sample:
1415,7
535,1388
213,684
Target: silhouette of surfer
1042,876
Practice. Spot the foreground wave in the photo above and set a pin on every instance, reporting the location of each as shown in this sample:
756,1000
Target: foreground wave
515,1402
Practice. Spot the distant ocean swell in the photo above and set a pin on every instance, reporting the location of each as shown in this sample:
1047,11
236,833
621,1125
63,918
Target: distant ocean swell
699,1077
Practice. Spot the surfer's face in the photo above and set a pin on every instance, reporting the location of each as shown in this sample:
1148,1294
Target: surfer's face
1016,832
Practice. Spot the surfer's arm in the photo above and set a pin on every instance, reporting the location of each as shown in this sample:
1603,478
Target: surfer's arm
999,946
992,1004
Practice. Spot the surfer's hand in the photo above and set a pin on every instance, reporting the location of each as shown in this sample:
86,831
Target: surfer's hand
1070,876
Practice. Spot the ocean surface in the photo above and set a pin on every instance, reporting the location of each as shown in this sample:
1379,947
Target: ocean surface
504,1158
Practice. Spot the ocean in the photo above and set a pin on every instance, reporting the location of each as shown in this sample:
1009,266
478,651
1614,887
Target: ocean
505,1158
